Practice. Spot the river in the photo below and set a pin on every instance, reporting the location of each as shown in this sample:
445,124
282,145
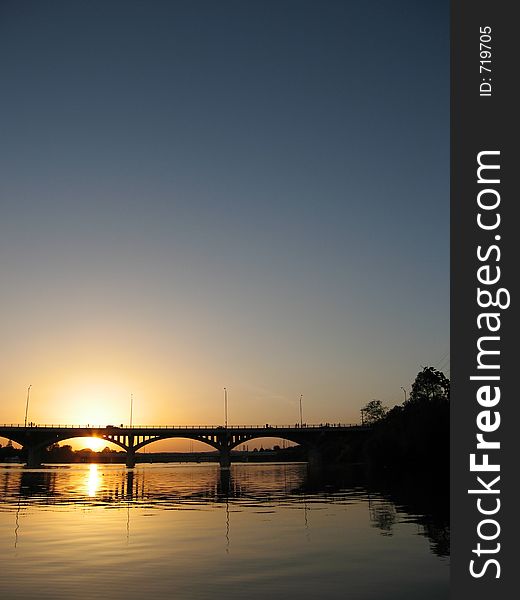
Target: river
190,532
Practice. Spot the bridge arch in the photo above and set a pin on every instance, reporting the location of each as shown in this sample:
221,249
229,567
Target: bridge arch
37,445
11,438
250,437
196,438
43,444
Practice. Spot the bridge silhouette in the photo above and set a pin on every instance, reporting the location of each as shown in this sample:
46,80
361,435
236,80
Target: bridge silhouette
315,438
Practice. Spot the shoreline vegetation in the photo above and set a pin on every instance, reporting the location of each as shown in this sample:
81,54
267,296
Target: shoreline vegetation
65,455
416,434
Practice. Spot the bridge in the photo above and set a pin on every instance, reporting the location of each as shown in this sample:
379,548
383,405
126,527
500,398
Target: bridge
36,438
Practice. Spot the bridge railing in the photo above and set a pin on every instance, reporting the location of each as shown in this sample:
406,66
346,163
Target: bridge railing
181,427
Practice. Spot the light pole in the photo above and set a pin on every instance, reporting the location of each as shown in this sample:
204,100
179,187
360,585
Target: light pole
301,414
131,408
225,406
404,393
27,404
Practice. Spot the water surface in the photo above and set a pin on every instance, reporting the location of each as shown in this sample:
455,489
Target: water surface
188,531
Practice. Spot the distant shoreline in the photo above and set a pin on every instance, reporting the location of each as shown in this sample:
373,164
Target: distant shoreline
116,457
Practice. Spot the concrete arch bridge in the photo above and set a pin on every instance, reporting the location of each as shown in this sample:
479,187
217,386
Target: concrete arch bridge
315,438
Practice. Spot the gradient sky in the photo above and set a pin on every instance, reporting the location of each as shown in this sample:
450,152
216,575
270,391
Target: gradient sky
199,194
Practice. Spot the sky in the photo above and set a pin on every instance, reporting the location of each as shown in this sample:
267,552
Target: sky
198,195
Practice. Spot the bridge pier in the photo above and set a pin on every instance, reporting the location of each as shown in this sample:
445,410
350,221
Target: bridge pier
225,458
130,458
34,457
314,457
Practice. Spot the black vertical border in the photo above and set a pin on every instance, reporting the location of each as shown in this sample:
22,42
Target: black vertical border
477,124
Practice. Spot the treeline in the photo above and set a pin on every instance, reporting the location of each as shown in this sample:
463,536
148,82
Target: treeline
9,451
61,454
415,434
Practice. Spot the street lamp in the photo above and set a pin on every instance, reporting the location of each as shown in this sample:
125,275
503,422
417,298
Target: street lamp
225,405
27,403
301,417
404,393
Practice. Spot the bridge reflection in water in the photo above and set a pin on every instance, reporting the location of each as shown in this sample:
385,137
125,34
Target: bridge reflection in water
178,483
184,486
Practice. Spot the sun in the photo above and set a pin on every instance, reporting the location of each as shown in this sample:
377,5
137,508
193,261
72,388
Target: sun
94,443
97,443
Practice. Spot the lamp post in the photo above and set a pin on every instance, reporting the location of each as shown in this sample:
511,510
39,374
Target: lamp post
301,414
404,393
27,404
225,406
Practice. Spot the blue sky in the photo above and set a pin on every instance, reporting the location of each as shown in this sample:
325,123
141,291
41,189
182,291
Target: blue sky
206,194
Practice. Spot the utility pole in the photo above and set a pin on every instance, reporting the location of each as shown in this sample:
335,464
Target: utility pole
27,404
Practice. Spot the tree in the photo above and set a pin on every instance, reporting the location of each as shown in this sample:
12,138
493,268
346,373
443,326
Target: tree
429,386
373,412
417,434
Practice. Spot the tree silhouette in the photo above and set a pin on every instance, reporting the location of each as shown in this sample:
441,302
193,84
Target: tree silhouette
415,434
430,385
373,412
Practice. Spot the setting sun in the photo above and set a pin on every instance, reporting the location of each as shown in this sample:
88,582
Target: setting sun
93,443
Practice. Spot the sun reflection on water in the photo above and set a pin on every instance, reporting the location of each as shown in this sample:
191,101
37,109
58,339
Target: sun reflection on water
93,481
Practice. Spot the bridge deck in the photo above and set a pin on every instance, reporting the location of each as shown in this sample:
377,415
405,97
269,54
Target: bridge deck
127,428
